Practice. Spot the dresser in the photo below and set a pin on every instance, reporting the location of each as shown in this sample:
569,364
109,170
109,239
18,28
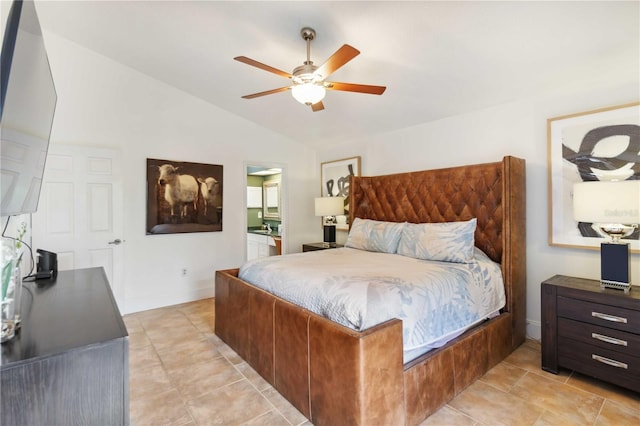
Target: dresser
69,362
591,330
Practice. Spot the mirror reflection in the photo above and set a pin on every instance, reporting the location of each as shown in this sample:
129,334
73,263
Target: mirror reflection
271,199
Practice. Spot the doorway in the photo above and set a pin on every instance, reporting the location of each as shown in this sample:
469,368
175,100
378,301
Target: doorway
266,221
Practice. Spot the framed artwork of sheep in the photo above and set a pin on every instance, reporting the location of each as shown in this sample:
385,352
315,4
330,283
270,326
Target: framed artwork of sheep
183,197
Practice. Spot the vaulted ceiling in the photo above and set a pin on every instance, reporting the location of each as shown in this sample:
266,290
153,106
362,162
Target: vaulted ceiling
437,59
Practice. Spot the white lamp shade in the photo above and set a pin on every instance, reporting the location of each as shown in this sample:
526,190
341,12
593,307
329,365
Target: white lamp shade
329,206
308,93
607,202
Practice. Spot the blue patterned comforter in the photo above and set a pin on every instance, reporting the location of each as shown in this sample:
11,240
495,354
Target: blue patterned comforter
436,301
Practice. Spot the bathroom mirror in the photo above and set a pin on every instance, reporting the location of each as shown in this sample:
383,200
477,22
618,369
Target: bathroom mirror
271,199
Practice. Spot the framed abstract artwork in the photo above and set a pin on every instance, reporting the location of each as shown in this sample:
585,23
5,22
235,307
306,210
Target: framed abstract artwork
334,178
183,197
597,145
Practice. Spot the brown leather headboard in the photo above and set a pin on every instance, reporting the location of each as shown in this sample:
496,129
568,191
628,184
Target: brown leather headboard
484,191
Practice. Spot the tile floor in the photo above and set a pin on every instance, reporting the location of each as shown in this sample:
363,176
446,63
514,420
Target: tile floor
182,374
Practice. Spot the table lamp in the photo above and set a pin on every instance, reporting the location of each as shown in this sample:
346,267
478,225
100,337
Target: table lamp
613,208
329,208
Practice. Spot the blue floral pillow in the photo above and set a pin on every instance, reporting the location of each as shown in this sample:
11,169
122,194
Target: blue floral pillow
447,241
374,235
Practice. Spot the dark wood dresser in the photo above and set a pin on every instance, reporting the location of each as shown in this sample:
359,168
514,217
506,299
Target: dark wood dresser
591,330
69,362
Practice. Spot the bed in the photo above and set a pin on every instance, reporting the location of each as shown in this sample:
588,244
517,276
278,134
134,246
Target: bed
336,375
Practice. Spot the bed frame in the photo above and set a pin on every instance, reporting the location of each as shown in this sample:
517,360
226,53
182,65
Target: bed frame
337,376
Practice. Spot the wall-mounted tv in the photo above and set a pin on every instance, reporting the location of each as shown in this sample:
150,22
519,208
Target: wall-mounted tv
27,105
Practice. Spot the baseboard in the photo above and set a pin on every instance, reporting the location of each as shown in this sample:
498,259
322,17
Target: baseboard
161,301
534,329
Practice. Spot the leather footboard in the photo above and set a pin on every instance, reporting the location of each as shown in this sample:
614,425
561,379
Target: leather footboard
438,376
332,374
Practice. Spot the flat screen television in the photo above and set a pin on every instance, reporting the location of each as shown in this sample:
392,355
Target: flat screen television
28,102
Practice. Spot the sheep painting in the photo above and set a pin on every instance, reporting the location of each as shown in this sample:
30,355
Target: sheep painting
179,190
183,197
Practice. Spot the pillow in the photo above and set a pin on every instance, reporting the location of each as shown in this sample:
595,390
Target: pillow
447,241
374,235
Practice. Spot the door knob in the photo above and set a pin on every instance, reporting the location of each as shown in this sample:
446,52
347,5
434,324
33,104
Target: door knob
116,241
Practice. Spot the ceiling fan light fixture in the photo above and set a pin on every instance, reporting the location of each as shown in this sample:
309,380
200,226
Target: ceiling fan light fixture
308,93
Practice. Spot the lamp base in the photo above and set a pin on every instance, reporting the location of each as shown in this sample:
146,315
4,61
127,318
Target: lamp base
330,234
614,266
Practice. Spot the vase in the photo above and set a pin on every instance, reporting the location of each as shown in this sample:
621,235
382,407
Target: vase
8,319
7,291
7,304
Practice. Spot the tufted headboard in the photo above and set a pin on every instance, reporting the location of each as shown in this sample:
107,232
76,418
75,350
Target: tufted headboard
443,195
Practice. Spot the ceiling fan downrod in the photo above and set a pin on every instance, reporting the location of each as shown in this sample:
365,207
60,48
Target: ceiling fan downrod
308,34
305,73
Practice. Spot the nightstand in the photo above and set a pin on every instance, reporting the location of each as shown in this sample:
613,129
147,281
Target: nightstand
318,246
591,330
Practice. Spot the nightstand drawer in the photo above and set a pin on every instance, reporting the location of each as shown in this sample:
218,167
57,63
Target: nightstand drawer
603,315
621,369
601,337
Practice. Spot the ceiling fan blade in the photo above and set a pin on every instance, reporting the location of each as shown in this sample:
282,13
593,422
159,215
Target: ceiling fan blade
268,92
360,88
338,59
318,106
262,66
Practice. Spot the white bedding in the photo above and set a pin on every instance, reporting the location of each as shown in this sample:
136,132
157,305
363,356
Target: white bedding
436,301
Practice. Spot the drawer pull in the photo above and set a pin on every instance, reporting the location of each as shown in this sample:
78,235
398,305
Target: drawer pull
610,362
608,339
608,317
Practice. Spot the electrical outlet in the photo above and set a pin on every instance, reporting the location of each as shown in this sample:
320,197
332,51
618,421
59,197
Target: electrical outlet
184,272
259,215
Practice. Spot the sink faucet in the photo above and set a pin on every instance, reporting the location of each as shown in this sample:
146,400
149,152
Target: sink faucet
268,228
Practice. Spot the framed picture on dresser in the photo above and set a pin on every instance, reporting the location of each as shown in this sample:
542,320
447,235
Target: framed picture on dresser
334,178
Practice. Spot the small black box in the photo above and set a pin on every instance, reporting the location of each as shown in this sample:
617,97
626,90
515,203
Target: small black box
47,262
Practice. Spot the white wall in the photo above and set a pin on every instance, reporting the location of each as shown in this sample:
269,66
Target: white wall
517,128
104,104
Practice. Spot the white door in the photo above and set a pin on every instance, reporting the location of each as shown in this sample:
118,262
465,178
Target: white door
80,211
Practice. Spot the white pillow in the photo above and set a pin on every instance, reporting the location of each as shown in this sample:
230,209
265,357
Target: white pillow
447,241
374,235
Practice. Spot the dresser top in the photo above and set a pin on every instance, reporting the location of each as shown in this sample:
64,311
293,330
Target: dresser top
587,289
74,310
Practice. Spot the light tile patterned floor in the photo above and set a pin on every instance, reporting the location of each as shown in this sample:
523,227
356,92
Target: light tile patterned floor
182,374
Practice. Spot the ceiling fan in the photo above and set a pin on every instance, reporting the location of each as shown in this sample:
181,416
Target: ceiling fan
309,81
